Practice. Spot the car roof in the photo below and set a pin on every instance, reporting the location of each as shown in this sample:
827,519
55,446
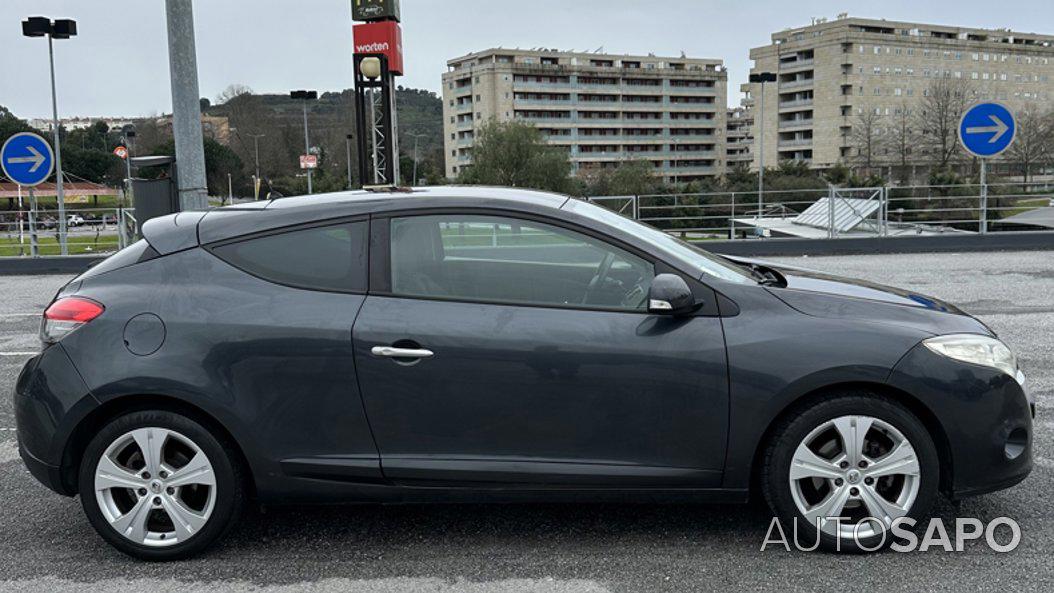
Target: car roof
232,221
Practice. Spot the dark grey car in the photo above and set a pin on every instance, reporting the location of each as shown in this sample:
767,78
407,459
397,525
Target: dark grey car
494,344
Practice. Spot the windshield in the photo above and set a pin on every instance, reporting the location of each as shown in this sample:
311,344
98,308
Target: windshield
707,263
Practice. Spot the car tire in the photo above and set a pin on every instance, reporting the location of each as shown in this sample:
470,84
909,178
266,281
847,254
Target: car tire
175,513
822,427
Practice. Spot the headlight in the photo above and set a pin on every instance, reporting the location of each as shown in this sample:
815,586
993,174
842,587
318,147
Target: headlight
975,349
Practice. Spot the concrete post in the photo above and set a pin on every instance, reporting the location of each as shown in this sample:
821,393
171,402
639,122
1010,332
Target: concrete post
186,109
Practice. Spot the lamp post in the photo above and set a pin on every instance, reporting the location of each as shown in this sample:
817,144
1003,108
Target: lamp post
256,158
761,78
415,136
128,132
348,139
39,26
305,96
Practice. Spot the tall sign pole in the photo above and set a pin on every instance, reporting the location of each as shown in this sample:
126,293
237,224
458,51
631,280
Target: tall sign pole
760,78
985,131
186,106
378,60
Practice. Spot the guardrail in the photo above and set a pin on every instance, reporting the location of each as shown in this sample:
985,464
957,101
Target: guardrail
89,230
837,212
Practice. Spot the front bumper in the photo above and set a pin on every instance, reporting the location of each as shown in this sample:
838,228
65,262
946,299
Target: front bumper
984,415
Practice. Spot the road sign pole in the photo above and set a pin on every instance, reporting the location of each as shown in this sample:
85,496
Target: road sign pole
60,194
34,249
307,147
984,196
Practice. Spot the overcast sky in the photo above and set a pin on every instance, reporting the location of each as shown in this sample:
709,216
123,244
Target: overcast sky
118,65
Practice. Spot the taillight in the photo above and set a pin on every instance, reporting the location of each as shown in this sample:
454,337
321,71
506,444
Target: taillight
66,315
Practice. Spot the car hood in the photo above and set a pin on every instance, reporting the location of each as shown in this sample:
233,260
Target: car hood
825,295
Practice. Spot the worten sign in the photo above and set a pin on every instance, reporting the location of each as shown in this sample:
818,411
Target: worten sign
382,37
372,10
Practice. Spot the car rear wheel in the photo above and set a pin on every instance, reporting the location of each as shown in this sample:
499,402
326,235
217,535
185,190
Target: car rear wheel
859,456
159,486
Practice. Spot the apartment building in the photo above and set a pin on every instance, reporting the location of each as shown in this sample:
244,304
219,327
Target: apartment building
832,72
739,137
603,109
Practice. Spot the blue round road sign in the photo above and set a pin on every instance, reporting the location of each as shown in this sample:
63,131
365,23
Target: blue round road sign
987,129
26,159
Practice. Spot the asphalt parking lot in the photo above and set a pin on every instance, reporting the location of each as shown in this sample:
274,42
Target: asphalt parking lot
47,545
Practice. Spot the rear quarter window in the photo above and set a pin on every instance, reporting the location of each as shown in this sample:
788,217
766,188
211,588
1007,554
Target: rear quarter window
328,258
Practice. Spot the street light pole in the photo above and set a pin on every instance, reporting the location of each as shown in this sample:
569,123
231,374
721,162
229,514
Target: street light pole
305,96
63,248
348,142
415,137
761,78
39,26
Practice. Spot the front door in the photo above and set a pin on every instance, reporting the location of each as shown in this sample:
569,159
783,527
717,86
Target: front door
510,351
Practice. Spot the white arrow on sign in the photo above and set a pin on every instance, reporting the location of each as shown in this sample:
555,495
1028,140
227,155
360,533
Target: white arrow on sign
37,159
997,130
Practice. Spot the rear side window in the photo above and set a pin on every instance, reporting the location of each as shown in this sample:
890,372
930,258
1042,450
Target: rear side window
330,258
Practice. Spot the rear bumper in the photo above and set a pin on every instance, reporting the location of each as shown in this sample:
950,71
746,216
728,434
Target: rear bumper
50,399
985,417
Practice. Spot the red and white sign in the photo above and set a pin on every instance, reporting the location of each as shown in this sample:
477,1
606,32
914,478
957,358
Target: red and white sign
121,152
308,161
382,37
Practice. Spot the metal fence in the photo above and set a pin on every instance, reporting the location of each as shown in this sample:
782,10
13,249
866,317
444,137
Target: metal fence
834,212
89,230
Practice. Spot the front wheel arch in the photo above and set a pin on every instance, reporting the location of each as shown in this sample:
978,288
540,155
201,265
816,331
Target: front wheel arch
83,433
913,404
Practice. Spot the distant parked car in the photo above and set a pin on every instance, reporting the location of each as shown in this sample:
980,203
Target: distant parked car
496,344
74,220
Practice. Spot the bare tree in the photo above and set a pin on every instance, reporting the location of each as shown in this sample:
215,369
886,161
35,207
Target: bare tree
866,138
902,140
1033,140
937,119
232,91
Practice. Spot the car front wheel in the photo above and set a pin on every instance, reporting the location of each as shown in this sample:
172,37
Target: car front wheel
159,486
841,471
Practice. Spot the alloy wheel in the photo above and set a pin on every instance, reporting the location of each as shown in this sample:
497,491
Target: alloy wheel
854,467
155,487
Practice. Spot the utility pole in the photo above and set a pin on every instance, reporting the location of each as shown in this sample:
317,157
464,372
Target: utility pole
186,106
38,26
415,136
761,78
305,96
348,138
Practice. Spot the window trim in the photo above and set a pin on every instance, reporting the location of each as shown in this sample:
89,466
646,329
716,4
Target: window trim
380,261
331,222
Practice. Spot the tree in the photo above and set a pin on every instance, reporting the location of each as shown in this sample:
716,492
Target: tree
232,91
631,178
220,161
1034,139
902,139
937,119
515,154
866,138
11,125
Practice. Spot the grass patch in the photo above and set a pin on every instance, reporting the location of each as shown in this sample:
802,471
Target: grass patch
49,244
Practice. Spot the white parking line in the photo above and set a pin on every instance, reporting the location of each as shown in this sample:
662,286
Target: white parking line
3,315
27,353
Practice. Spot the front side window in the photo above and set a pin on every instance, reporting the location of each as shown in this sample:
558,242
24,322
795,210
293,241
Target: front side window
499,259
328,258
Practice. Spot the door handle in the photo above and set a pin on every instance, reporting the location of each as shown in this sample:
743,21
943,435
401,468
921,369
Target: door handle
392,352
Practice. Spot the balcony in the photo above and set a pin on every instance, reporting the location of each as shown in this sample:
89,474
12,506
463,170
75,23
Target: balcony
795,123
796,65
795,142
795,104
796,84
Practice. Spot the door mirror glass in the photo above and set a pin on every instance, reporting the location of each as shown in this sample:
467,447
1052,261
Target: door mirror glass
670,295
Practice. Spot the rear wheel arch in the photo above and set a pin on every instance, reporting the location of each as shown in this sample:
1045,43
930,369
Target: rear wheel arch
83,433
913,404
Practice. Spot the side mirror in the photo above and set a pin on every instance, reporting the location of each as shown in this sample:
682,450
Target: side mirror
670,295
